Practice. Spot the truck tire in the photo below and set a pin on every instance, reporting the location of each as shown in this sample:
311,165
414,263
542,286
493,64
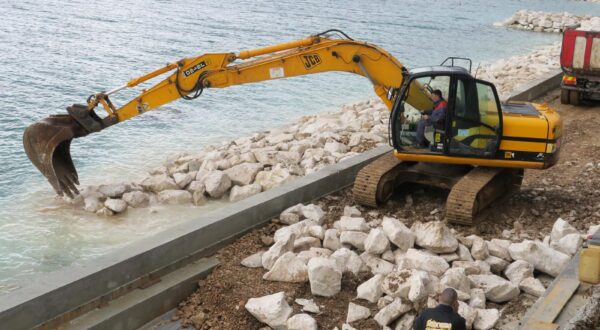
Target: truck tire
574,98
564,96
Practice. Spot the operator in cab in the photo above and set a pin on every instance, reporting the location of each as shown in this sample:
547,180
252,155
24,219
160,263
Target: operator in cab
444,316
436,117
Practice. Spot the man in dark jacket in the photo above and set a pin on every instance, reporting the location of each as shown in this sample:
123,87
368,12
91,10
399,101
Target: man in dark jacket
444,316
435,116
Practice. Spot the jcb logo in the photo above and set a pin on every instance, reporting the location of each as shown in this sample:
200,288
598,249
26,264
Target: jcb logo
311,60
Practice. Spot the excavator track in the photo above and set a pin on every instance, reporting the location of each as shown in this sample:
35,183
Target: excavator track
477,189
375,182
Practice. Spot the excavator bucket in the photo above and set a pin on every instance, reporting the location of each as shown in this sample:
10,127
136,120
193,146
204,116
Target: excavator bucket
47,143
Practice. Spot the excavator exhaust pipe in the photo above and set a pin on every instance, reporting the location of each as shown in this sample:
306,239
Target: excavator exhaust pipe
47,144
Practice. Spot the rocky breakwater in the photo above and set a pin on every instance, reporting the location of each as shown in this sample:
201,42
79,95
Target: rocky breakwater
246,166
539,21
407,268
510,73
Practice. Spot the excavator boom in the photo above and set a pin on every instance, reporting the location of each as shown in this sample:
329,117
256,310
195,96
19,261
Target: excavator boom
47,142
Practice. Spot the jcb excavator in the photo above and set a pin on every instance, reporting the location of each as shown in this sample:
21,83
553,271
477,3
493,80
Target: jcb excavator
479,151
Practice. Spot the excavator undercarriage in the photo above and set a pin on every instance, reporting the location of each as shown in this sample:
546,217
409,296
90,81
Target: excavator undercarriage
471,188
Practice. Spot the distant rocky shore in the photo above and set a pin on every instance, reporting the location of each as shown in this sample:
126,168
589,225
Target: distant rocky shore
539,21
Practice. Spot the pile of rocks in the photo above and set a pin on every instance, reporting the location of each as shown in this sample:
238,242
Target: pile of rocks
508,74
408,267
246,166
540,21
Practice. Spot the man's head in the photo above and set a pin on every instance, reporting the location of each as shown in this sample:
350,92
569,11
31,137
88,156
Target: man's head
449,297
436,95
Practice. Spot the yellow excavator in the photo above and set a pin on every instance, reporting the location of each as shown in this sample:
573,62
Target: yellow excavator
479,151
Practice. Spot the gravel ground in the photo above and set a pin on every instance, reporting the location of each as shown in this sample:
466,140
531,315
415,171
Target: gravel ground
570,189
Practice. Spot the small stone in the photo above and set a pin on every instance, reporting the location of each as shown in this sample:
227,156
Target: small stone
313,212
286,244
371,289
308,305
486,319
136,199
376,242
115,205
357,312
174,197
533,286
301,322
287,268
351,211
272,310
331,240
253,261
518,270
434,236
398,233
354,238
496,288
477,299
391,312
353,224
238,193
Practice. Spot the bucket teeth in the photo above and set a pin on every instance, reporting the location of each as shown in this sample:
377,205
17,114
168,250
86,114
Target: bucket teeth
47,144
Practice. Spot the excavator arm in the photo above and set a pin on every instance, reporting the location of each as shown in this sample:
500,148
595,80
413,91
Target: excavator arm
47,141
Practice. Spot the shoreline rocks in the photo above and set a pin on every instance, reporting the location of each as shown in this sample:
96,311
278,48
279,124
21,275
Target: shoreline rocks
539,21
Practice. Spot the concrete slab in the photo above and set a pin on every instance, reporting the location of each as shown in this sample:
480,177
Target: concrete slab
136,308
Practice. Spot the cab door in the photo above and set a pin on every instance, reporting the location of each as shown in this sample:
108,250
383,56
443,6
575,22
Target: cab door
476,124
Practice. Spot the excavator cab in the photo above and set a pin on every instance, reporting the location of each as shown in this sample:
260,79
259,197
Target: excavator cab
472,124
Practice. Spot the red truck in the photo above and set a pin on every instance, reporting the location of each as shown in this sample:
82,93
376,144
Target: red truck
580,62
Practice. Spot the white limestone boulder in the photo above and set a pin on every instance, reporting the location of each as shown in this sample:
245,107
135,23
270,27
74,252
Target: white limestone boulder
456,278
518,270
479,248
477,298
377,265
376,242
533,286
357,313
174,197
238,193
308,305
116,205
183,179
569,244
331,240
158,183
253,260
324,276
313,212
353,224
354,238
349,261
468,313
486,319
136,199
280,247
217,183
273,310
112,190
434,236
499,248
560,229
370,290
424,261
243,174
272,178
287,268
496,288
351,211
301,322
542,257
397,283
398,233
391,312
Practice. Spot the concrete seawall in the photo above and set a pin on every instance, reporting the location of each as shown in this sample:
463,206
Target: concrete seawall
59,297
